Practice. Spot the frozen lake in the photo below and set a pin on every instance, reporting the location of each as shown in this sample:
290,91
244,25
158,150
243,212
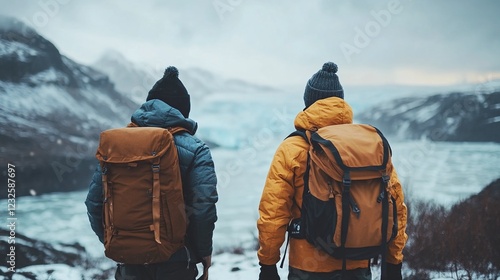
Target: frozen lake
443,172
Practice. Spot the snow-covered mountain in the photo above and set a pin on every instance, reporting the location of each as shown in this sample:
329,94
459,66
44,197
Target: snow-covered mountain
52,110
442,117
127,77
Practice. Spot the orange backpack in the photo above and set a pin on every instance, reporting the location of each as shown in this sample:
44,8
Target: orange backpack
347,210
143,212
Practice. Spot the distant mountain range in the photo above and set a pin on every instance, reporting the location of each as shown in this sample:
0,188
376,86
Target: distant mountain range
442,117
136,80
52,109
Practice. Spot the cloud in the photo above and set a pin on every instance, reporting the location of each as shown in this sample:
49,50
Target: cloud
280,42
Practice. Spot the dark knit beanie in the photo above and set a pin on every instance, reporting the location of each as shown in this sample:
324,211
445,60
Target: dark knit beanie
323,84
170,90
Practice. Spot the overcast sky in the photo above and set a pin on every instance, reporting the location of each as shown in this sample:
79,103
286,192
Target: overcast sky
282,42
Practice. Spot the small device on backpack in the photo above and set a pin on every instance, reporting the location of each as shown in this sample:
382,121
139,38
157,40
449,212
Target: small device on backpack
295,229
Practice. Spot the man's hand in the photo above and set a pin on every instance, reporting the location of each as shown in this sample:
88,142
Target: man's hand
207,262
394,271
268,272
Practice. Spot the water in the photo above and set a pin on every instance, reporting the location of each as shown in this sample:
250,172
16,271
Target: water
445,172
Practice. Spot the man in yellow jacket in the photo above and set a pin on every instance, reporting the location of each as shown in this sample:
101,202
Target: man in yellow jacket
282,194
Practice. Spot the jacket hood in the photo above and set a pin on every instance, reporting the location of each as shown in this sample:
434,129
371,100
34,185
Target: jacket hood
324,112
156,113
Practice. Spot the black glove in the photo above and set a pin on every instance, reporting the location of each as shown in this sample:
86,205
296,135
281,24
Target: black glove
394,271
268,272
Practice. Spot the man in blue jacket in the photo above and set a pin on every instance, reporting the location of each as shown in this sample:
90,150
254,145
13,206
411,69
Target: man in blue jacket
168,105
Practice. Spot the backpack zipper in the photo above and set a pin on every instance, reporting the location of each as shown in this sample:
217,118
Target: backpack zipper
330,186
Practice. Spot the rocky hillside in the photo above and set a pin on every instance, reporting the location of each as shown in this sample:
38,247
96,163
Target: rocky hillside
464,238
442,117
475,224
35,259
52,110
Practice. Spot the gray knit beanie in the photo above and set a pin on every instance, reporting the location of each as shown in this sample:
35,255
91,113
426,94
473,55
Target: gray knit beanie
325,83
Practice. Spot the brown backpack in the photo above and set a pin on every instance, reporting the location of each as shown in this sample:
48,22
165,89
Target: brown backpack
347,210
143,212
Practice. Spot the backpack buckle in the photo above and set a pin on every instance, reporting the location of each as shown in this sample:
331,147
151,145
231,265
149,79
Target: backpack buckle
347,184
346,179
156,168
385,178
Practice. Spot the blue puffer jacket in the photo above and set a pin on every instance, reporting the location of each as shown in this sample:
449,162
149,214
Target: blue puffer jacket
198,177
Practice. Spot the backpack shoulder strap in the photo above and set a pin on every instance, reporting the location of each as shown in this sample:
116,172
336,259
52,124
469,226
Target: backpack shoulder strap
173,129
177,129
300,133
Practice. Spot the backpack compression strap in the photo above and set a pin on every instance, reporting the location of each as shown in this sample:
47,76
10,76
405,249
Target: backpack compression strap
156,200
108,203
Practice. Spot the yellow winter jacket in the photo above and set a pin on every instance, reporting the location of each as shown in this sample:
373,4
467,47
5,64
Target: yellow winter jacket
284,184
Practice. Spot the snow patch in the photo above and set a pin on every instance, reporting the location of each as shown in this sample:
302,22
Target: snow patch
412,104
427,113
493,120
52,271
48,76
20,50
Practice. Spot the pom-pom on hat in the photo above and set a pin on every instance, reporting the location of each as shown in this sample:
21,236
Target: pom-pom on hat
325,83
170,90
